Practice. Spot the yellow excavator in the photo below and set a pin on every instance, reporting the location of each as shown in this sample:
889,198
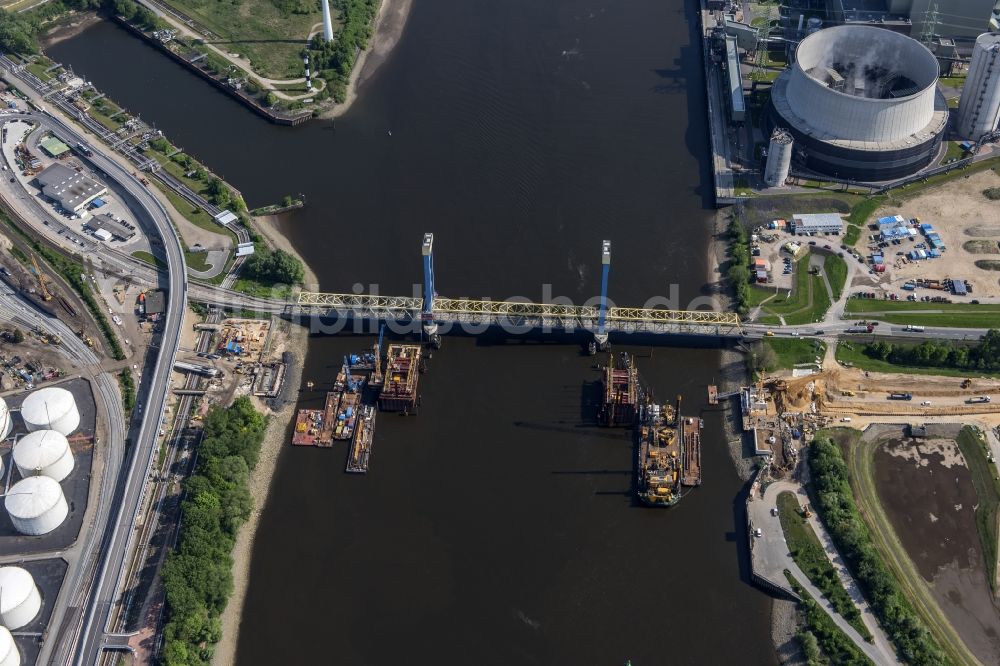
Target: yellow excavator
42,288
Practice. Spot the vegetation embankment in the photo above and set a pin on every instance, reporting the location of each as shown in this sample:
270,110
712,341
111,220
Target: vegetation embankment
127,384
19,31
987,485
836,274
958,315
821,639
839,512
807,302
197,576
853,354
738,274
72,272
809,554
772,354
983,357
858,218
148,257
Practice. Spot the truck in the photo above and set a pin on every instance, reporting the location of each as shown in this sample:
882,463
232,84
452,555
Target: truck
865,328
979,399
84,150
910,328
909,286
900,396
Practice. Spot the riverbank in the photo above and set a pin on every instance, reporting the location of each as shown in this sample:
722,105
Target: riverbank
68,27
295,342
269,226
389,25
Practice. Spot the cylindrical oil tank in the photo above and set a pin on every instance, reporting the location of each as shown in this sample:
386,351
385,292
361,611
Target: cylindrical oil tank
19,598
9,656
51,409
44,453
979,107
779,158
5,423
36,505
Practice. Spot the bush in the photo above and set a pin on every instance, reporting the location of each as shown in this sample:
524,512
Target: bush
984,356
277,267
992,193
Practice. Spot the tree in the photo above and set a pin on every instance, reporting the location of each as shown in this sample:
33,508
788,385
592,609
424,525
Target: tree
124,8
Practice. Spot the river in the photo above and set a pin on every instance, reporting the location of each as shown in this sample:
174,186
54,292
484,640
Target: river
498,526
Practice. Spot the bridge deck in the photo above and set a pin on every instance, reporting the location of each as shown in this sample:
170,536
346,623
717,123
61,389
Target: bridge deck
522,314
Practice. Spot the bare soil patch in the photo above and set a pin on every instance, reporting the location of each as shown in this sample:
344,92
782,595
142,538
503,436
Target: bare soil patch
927,492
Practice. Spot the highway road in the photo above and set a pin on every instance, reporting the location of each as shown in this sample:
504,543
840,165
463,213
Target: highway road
86,645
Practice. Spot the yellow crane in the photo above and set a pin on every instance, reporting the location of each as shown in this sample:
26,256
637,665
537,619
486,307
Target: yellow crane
41,280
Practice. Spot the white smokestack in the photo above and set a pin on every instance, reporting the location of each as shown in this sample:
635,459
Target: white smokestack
327,22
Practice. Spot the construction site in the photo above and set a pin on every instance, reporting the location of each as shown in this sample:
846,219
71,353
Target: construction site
781,413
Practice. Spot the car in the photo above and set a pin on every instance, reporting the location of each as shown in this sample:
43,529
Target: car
769,334
900,254
758,533
817,332
774,511
213,357
795,334
925,403
827,247
812,242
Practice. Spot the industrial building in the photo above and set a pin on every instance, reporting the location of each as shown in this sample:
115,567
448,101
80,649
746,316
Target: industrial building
44,453
779,158
51,408
116,229
807,224
69,188
36,505
737,103
20,600
53,147
862,103
979,107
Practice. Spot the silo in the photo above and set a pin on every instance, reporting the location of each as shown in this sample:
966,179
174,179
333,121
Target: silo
51,409
19,598
979,107
36,505
5,422
9,656
44,453
779,158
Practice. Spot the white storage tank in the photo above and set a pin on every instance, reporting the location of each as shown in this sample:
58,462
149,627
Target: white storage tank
5,424
36,505
44,453
9,656
51,409
19,598
979,107
779,158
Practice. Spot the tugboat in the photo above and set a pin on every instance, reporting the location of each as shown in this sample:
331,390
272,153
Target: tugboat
659,468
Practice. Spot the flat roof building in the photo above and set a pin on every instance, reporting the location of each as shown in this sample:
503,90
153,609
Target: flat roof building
817,223
244,249
737,103
115,228
226,217
54,147
156,302
69,188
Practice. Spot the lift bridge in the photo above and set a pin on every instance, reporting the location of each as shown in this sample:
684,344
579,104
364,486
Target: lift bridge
437,314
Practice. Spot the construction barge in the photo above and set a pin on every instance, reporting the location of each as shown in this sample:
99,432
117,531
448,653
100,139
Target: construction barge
400,379
660,462
361,446
621,392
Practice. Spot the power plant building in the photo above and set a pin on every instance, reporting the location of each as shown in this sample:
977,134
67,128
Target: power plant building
979,107
779,158
737,103
20,600
861,103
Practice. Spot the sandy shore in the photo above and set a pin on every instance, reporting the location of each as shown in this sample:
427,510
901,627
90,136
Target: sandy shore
389,24
260,485
68,27
269,226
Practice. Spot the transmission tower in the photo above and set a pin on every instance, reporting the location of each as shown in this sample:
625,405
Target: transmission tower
930,24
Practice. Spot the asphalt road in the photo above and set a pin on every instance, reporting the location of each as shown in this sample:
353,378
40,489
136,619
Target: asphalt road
125,505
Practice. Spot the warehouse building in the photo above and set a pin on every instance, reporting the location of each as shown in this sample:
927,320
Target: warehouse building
817,223
69,188
54,147
111,227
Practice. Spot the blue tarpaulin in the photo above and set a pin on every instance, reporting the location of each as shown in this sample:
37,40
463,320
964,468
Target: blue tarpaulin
97,203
